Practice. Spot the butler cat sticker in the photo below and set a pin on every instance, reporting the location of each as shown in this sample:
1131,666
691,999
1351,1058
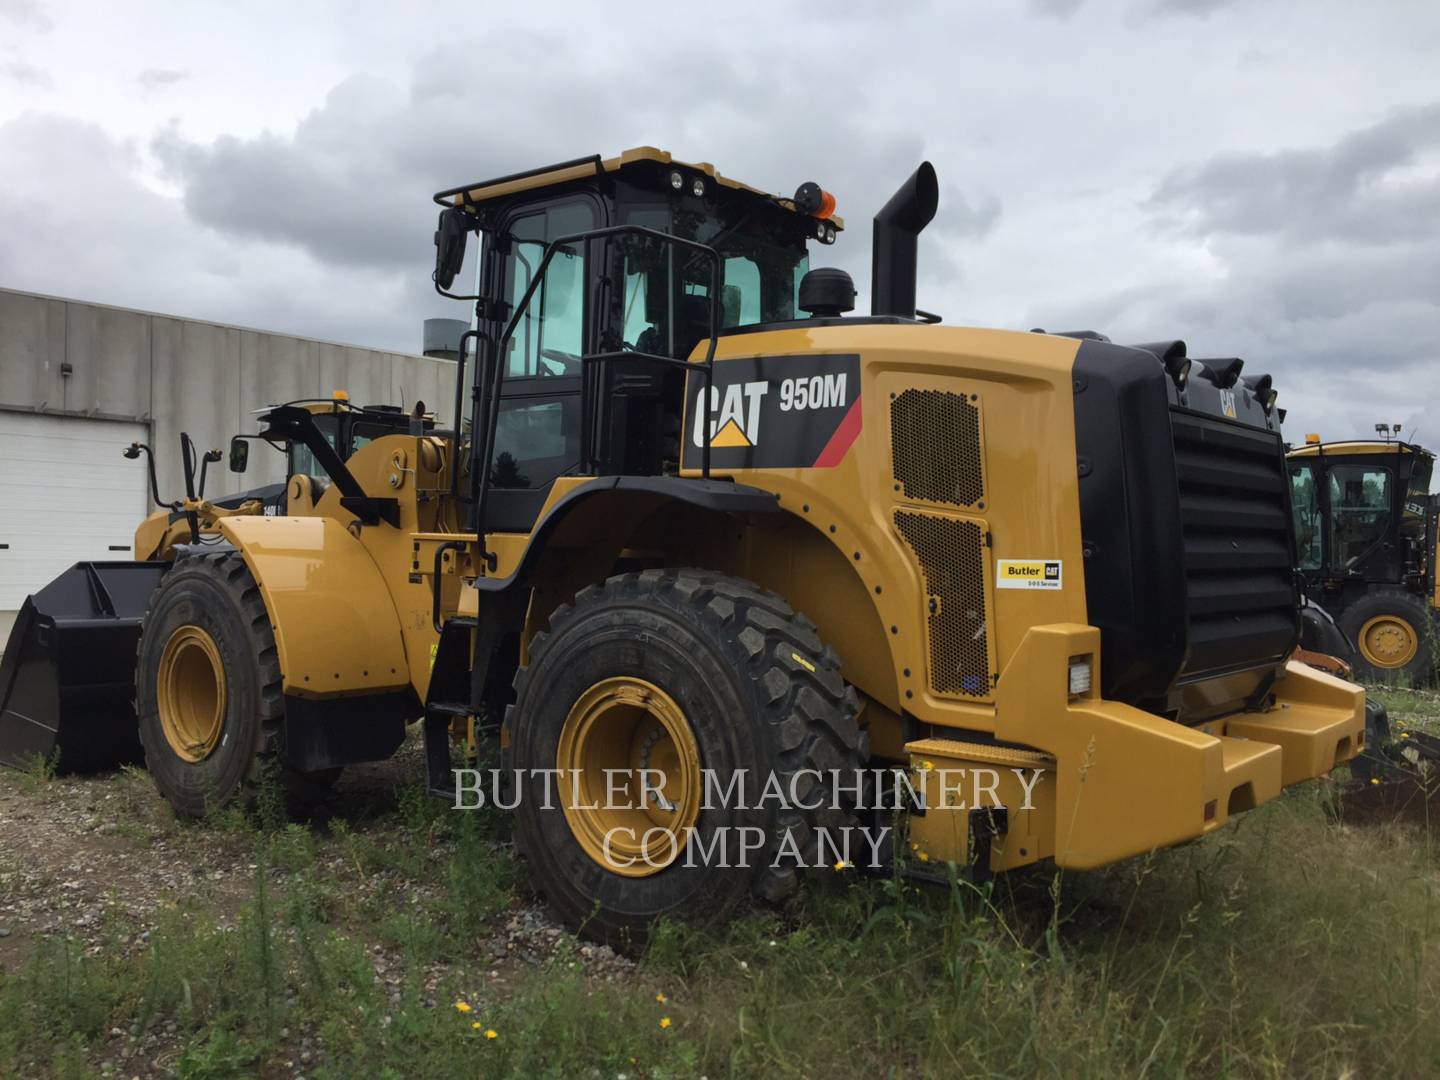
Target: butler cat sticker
775,412
1029,574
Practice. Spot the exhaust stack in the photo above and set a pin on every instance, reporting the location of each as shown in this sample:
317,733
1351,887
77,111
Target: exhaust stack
897,230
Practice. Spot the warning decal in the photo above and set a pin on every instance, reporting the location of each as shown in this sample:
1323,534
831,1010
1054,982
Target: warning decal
1029,574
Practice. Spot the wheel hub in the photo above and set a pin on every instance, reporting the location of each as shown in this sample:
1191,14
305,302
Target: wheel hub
620,730
1388,641
190,693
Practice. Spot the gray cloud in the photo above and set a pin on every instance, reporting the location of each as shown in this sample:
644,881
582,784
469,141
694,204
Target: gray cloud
1357,189
1199,8
26,14
1326,273
1316,262
352,185
160,78
1055,9
966,217
18,71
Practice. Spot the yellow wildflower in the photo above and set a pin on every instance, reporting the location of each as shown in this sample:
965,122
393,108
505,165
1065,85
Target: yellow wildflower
924,856
462,1006
491,1033
475,1026
841,865
664,1021
661,998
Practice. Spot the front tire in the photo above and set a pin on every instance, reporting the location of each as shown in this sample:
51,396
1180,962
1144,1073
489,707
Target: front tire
687,673
1394,635
207,684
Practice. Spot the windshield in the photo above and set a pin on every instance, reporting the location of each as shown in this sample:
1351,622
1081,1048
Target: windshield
666,292
302,460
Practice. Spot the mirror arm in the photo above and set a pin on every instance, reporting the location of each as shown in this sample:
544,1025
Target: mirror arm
209,457
132,452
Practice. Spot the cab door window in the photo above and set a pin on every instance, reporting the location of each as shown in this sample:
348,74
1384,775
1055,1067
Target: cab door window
1360,502
549,338
1305,505
537,433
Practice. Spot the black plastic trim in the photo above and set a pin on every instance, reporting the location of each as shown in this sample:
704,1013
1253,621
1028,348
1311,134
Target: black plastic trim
1130,519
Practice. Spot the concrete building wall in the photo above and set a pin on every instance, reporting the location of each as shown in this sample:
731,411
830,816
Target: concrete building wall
67,357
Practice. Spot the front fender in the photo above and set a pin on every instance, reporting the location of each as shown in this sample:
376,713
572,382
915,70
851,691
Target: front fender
336,628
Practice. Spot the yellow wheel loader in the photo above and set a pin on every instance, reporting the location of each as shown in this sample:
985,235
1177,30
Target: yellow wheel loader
726,570
1366,526
67,672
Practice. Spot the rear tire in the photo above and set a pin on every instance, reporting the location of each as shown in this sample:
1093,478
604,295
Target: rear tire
207,685
752,690
1394,635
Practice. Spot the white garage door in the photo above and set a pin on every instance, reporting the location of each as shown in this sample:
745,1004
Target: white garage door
66,496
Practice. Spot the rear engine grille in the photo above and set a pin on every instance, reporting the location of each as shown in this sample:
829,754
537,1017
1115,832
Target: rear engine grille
935,446
1235,522
951,553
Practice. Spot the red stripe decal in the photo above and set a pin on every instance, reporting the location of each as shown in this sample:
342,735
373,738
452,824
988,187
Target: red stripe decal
845,435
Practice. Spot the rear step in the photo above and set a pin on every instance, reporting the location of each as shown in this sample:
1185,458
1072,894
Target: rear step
439,777
67,676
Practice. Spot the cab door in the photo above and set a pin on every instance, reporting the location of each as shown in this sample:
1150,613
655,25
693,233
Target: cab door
538,431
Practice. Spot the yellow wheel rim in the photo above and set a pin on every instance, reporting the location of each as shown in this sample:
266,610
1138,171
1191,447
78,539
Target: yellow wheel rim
1389,641
617,728
190,693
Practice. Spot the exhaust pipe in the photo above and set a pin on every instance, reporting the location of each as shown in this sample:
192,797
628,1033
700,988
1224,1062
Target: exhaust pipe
897,230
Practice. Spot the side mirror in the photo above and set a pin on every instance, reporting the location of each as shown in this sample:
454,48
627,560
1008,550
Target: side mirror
450,233
239,454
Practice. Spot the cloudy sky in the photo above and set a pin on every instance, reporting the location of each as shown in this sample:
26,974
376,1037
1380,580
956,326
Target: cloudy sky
1258,177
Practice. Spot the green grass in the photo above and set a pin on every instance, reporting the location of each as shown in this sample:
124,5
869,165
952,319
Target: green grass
1284,945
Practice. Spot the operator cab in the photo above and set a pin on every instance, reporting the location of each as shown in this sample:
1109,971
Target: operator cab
631,296
1361,510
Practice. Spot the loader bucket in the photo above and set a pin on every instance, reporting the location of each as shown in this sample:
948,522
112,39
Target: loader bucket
67,676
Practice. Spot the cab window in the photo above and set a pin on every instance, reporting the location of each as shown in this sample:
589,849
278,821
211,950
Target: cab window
665,301
1360,502
302,461
549,338
1305,504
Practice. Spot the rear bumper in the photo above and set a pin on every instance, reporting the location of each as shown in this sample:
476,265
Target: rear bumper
1116,781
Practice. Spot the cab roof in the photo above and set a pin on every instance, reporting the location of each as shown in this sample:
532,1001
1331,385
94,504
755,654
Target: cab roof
581,168
1359,446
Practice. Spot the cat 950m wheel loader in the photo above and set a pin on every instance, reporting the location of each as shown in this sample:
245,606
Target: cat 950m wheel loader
725,567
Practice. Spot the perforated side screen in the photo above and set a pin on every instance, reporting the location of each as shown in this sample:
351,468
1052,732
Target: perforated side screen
935,447
952,558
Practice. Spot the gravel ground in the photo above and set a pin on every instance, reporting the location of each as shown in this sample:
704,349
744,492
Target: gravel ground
99,859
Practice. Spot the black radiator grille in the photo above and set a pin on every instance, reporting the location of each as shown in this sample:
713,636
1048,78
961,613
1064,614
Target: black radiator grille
1235,523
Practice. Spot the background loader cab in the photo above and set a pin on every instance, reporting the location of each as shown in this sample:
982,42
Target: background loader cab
1365,527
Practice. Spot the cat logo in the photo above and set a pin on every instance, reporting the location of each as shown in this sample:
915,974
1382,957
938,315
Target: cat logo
1227,403
734,415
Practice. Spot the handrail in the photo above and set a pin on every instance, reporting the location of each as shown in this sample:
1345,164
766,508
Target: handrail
480,473
459,410
442,198
448,545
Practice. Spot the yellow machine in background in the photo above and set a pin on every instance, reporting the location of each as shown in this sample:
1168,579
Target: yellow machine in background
1367,530
713,526
67,675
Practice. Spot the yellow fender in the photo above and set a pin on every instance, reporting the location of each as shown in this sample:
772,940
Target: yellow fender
336,628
